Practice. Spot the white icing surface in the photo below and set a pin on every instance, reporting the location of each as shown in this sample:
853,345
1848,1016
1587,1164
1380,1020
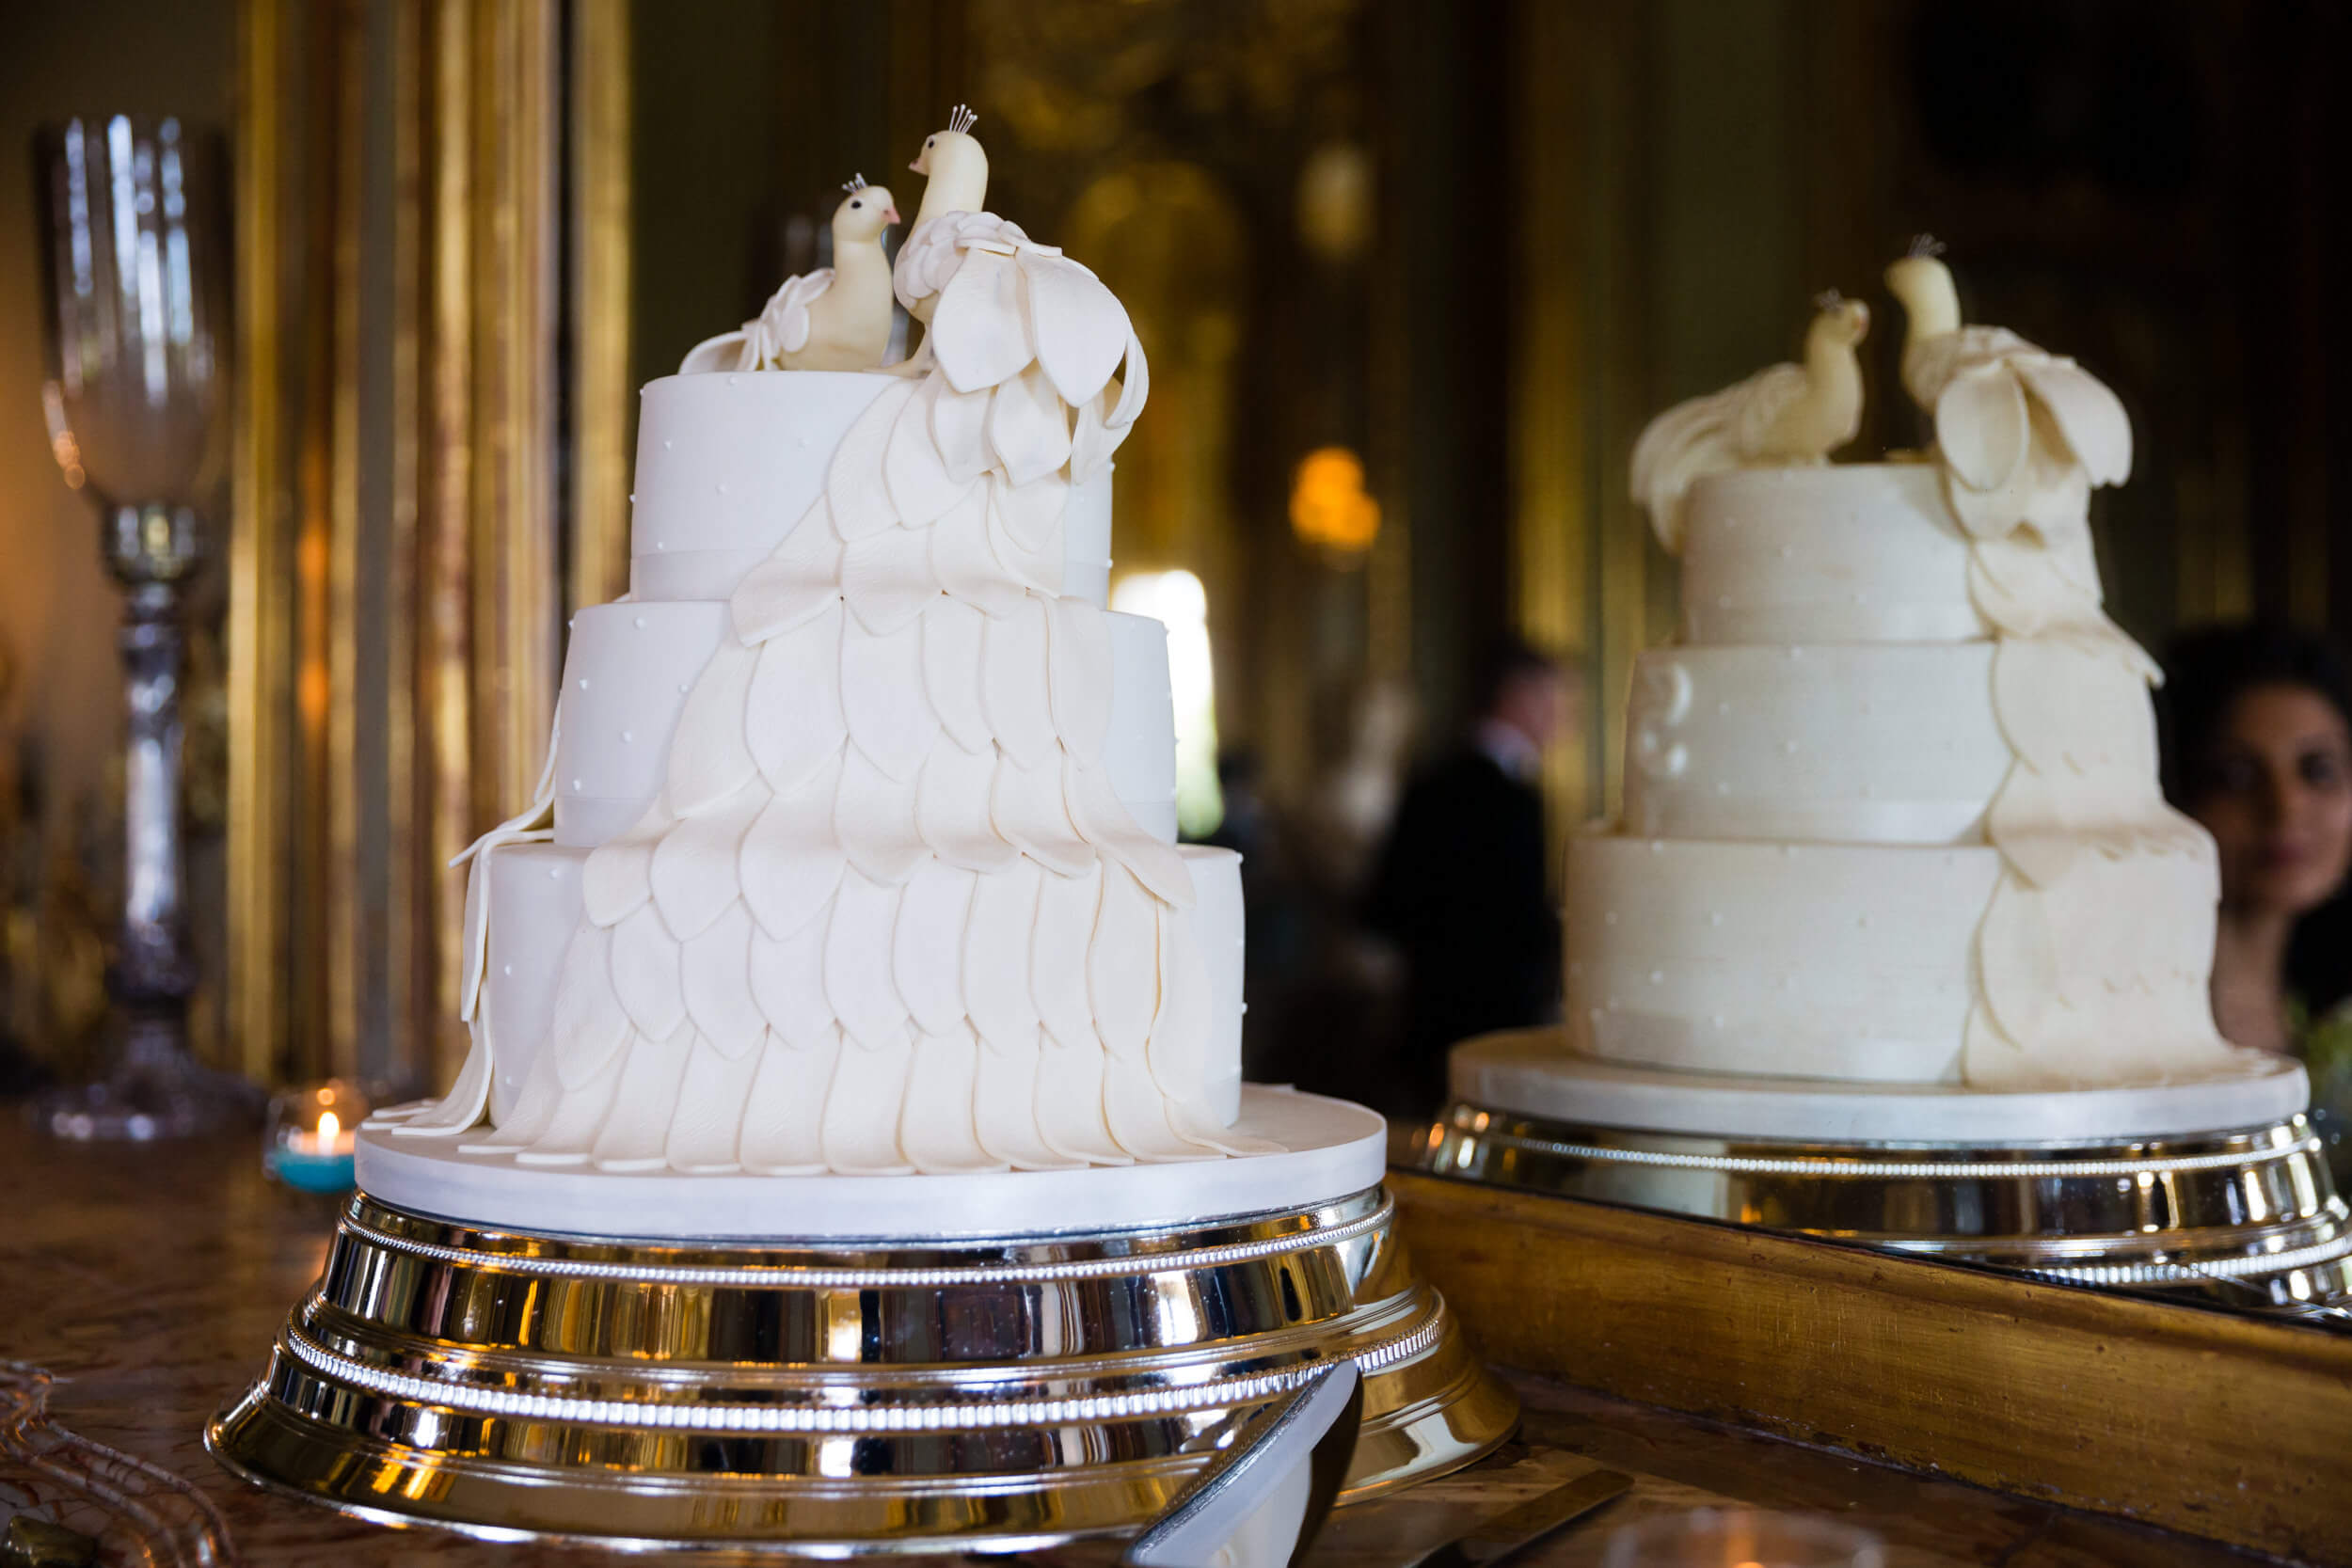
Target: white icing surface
1809,961
1827,744
638,661
1861,552
1327,1149
1528,1073
727,463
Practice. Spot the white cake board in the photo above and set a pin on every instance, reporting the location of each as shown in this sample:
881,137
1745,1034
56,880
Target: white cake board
1331,1150
1532,1073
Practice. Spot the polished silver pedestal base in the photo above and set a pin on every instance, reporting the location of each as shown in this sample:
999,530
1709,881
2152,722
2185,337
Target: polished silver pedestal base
837,1398
2242,1216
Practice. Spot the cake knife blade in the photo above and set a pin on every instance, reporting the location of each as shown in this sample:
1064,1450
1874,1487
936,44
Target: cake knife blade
1262,1500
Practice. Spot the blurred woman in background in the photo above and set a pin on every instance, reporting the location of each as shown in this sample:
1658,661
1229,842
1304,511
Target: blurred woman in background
2257,723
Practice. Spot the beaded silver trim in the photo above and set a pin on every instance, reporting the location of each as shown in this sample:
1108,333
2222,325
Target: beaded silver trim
2163,1272
793,1276
1989,1170
1183,1399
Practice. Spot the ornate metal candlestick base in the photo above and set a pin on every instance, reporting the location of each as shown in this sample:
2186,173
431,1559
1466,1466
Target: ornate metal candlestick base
836,1397
2244,1214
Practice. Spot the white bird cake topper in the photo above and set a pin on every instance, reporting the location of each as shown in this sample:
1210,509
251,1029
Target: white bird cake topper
836,317
2022,433
887,913
1787,414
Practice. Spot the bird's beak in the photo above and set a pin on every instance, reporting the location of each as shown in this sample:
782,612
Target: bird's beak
921,164
890,214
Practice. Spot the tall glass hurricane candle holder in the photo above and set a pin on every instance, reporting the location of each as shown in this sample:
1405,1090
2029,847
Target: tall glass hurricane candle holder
131,254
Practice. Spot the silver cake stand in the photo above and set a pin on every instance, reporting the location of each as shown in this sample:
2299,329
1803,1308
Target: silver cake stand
836,1396
2218,1189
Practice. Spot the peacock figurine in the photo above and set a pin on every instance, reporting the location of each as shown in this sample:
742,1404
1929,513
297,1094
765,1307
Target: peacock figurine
836,317
1785,414
887,913
2024,435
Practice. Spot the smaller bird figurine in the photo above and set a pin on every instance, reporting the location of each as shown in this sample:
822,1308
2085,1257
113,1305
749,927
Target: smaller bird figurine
2023,434
836,317
1788,414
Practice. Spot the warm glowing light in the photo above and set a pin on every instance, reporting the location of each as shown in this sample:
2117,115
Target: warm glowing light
1328,506
1178,601
330,1124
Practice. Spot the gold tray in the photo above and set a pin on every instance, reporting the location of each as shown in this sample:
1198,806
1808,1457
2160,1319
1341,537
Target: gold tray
837,1398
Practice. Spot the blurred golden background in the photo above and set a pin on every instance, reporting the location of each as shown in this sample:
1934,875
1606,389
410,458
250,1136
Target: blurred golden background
1411,275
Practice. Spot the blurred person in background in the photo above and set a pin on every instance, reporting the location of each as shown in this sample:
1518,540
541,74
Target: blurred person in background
1462,885
2257,726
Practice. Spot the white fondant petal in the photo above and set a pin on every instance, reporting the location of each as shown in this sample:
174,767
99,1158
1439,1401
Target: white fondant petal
461,1109
1980,425
784,1114
1070,1116
1138,1118
927,948
1004,1100
710,752
914,469
706,1131
1058,968
2017,958
1028,428
1103,822
980,330
791,860
887,578
996,937
716,967
2097,431
588,1023
1092,442
1028,810
1080,647
534,1111
1080,325
636,1129
874,817
619,874
1040,570
1132,392
1123,967
795,702
959,426
952,633
696,872
965,561
859,500
858,982
863,1106
722,352
952,810
937,1131
801,579
789,983
1031,515
644,958
564,1127
1180,1031
1016,684
890,719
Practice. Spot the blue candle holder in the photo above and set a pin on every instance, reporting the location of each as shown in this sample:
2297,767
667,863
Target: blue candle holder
310,1141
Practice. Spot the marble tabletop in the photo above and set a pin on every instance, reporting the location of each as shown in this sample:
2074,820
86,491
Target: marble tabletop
148,1282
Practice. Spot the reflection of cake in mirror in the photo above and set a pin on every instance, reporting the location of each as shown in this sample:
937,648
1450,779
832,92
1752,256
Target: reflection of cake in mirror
1896,937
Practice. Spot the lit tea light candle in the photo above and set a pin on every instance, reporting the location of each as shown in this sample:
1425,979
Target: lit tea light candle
311,1141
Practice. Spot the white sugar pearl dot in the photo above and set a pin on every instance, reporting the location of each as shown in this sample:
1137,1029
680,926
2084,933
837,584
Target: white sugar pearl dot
583,682
1657,847
555,874
1785,551
1789,747
628,736
1723,787
510,969
802,443
660,545
1716,917
578,786
667,444
1723,710
734,381
1862,598
639,623
632,498
1796,653
1717,1020
721,487
1657,977
681,686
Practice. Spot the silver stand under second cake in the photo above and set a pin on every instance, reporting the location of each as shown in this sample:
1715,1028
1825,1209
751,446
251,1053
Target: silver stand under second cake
835,1389
2218,1189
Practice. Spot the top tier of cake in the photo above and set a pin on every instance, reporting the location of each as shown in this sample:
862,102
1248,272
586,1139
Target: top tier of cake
727,464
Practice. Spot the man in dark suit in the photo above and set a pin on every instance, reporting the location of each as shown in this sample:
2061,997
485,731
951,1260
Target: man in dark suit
1462,885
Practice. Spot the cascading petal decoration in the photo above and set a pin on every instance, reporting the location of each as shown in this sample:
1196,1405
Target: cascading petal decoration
887,914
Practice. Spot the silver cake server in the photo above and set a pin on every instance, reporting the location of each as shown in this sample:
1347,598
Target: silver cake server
1262,1500
1534,1519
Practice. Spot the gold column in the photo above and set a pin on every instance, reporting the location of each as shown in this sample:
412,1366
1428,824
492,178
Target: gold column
603,400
